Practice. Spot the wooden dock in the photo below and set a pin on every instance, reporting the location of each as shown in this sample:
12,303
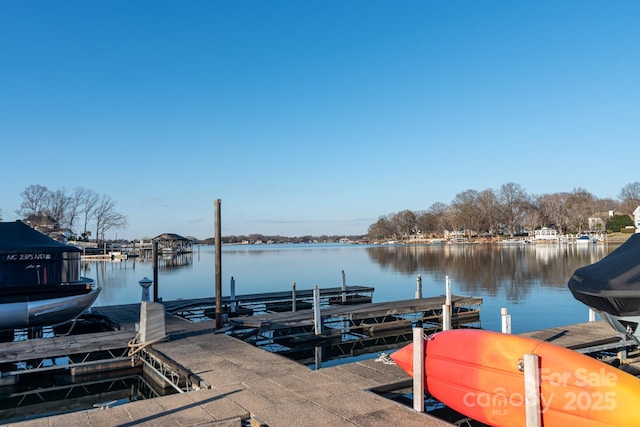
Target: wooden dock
349,331
589,338
248,304
426,312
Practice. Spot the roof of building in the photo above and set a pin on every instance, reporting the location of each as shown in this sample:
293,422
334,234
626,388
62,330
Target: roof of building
169,236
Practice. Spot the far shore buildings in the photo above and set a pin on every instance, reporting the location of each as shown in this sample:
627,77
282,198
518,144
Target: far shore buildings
545,235
47,225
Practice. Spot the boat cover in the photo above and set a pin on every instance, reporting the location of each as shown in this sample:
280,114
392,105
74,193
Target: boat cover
613,283
17,237
29,258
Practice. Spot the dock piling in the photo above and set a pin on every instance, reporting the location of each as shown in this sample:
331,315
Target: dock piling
344,288
293,296
418,371
232,298
218,267
317,319
318,356
592,315
532,390
448,291
446,308
419,286
154,254
506,321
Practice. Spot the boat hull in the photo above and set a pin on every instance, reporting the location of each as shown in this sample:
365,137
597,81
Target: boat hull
477,373
49,311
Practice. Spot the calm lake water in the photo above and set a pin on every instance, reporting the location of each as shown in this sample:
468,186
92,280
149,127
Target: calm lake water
530,281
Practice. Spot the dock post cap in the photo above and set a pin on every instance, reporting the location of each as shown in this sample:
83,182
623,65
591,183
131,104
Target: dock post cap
145,282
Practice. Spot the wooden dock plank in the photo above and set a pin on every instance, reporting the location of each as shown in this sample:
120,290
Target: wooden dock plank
578,335
358,312
269,296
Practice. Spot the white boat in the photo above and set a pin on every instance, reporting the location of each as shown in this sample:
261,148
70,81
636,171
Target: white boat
583,240
511,241
40,282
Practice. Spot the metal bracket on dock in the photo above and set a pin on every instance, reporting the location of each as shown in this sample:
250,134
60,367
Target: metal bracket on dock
621,346
70,361
176,376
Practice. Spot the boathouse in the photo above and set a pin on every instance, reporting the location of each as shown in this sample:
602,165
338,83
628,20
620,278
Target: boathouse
173,243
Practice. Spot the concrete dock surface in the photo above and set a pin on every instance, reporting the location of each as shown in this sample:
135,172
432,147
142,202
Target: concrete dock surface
251,387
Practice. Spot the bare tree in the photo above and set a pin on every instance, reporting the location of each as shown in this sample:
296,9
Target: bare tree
441,212
427,223
630,191
58,206
74,205
488,208
512,200
404,223
630,197
106,217
88,204
580,205
533,216
35,199
466,209
554,210
380,229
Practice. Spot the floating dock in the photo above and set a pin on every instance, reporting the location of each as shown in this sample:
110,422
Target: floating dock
199,308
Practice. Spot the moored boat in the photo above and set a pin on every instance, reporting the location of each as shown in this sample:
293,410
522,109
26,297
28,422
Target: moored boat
611,287
583,240
40,282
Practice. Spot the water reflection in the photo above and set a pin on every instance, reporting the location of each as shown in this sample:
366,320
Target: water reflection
530,280
490,269
119,278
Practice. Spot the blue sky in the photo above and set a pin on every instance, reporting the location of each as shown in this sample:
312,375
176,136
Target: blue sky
313,117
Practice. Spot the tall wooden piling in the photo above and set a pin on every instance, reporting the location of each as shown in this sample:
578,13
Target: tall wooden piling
218,244
154,255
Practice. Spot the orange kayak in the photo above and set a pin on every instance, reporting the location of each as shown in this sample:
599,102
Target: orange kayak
479,374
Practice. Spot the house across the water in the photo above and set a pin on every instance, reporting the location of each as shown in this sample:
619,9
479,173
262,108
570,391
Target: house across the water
545,235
